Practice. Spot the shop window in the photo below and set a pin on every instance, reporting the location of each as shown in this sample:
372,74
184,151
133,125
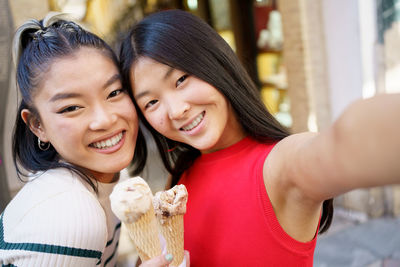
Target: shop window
270,67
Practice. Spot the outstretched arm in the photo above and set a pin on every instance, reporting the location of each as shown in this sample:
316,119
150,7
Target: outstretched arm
361,149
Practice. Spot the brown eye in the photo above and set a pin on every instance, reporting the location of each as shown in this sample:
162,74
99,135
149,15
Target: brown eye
69,109
150,103
115,93
181,80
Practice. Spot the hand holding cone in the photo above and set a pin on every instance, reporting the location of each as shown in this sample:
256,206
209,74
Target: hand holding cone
132,202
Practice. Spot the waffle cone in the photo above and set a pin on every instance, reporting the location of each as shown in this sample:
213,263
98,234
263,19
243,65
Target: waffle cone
172,230
144,233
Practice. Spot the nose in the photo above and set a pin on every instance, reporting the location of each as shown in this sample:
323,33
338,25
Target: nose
177,109
102,118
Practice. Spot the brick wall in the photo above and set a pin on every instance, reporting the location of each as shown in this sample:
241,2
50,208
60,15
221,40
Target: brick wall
305,60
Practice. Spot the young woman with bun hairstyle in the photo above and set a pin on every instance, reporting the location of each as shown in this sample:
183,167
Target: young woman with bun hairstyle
76,128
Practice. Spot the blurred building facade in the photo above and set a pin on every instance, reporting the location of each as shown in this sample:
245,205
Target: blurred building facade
309,58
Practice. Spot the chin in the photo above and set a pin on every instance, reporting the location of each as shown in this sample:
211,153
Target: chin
205,149
209,145
115,168
121,167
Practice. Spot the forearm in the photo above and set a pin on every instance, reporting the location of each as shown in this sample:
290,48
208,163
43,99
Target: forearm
367,136
361,149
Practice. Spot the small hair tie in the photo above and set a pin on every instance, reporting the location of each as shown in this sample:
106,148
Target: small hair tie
40,33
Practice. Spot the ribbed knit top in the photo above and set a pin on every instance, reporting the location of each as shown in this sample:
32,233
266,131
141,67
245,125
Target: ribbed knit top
56,219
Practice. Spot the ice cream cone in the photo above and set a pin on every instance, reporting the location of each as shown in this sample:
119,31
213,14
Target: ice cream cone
170,206
131,201
172,230
144,233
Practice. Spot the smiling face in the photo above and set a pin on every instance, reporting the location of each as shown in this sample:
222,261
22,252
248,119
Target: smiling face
184,108
86,114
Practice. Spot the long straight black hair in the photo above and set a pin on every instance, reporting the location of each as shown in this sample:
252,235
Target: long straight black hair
185,42
35,47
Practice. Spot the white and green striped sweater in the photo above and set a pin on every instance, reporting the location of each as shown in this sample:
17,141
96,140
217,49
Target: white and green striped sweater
57,220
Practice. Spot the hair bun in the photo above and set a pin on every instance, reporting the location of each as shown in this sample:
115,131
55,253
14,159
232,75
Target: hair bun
34,29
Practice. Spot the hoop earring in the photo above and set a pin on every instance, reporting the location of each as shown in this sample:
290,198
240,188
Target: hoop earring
42,145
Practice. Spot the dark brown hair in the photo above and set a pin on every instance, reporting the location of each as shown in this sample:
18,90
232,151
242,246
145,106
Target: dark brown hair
36,45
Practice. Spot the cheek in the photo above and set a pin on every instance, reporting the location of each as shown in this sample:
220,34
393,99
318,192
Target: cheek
68,130
60,129
132,116
202,92
57,127
157,121
64,137
129,112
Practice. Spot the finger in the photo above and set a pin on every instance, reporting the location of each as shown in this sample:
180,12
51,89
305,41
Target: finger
187,256
159,261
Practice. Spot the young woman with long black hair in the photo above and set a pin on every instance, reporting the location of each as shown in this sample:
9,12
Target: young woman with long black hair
258,196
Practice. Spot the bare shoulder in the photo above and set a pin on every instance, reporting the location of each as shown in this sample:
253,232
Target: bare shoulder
279,163
297,214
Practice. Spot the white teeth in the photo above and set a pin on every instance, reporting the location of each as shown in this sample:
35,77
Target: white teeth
114,139
108,143
194,123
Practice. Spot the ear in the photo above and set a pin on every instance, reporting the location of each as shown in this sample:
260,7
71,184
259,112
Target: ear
34,124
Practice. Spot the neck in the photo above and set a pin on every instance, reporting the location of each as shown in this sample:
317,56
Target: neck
228,138
105,178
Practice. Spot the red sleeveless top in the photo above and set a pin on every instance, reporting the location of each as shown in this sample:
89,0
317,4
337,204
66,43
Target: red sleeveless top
230,220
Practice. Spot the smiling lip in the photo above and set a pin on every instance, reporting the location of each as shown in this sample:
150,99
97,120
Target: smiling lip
110,144
195,122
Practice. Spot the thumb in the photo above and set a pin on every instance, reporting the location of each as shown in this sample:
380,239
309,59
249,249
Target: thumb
159,261
187,256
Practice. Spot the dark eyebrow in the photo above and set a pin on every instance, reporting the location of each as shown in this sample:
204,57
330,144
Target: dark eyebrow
113,79
166,76
64,96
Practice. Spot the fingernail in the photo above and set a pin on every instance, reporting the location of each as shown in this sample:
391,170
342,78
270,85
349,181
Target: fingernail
169,257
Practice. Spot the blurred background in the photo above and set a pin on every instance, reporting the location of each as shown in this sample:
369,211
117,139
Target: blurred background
309,59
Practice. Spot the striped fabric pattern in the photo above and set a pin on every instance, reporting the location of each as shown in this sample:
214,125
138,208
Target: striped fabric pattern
56,220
